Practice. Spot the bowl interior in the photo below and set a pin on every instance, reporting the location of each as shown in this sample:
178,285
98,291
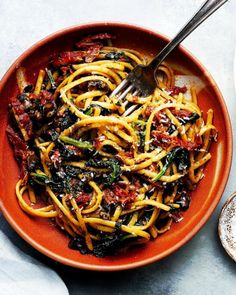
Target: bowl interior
40,233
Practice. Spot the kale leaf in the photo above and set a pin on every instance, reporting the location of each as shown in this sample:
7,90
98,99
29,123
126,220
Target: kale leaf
181,157
112,164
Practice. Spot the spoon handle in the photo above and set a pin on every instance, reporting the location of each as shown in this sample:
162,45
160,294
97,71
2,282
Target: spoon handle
203,13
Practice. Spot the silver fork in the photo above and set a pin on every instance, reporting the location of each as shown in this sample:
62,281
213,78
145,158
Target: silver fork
142,79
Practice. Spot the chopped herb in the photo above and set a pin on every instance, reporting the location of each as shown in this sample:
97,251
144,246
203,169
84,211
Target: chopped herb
104,110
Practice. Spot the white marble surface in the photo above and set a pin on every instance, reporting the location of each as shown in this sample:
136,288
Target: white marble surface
201,266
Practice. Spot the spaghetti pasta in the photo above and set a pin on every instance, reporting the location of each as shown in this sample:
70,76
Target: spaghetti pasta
111,173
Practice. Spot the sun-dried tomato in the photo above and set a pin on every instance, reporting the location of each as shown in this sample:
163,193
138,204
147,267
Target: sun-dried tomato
24,119
164,140
119,195
175,90
20,150
98,142
83,198
18,107
162,118
148,111
68,57
92,52
43,105
180,113
88,41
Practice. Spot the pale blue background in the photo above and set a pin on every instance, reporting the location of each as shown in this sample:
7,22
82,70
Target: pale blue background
201,266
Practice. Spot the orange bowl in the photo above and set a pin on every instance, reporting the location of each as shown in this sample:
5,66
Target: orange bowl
51,241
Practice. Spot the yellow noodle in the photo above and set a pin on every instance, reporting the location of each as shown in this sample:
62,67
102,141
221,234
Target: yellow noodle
39,82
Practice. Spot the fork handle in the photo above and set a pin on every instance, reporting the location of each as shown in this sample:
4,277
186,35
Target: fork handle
203,13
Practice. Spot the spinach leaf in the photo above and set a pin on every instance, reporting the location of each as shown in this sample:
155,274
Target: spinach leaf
180,155
62,121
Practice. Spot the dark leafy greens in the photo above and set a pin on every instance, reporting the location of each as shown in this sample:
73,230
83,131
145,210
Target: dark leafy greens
52,81
80,144
43,179
181,157
115,55
191,119
184,201
113,166
106,246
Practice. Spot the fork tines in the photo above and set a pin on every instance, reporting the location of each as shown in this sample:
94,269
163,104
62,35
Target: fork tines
121,91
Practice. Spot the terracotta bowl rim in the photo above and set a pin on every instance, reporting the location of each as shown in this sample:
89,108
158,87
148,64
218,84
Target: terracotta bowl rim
228,161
